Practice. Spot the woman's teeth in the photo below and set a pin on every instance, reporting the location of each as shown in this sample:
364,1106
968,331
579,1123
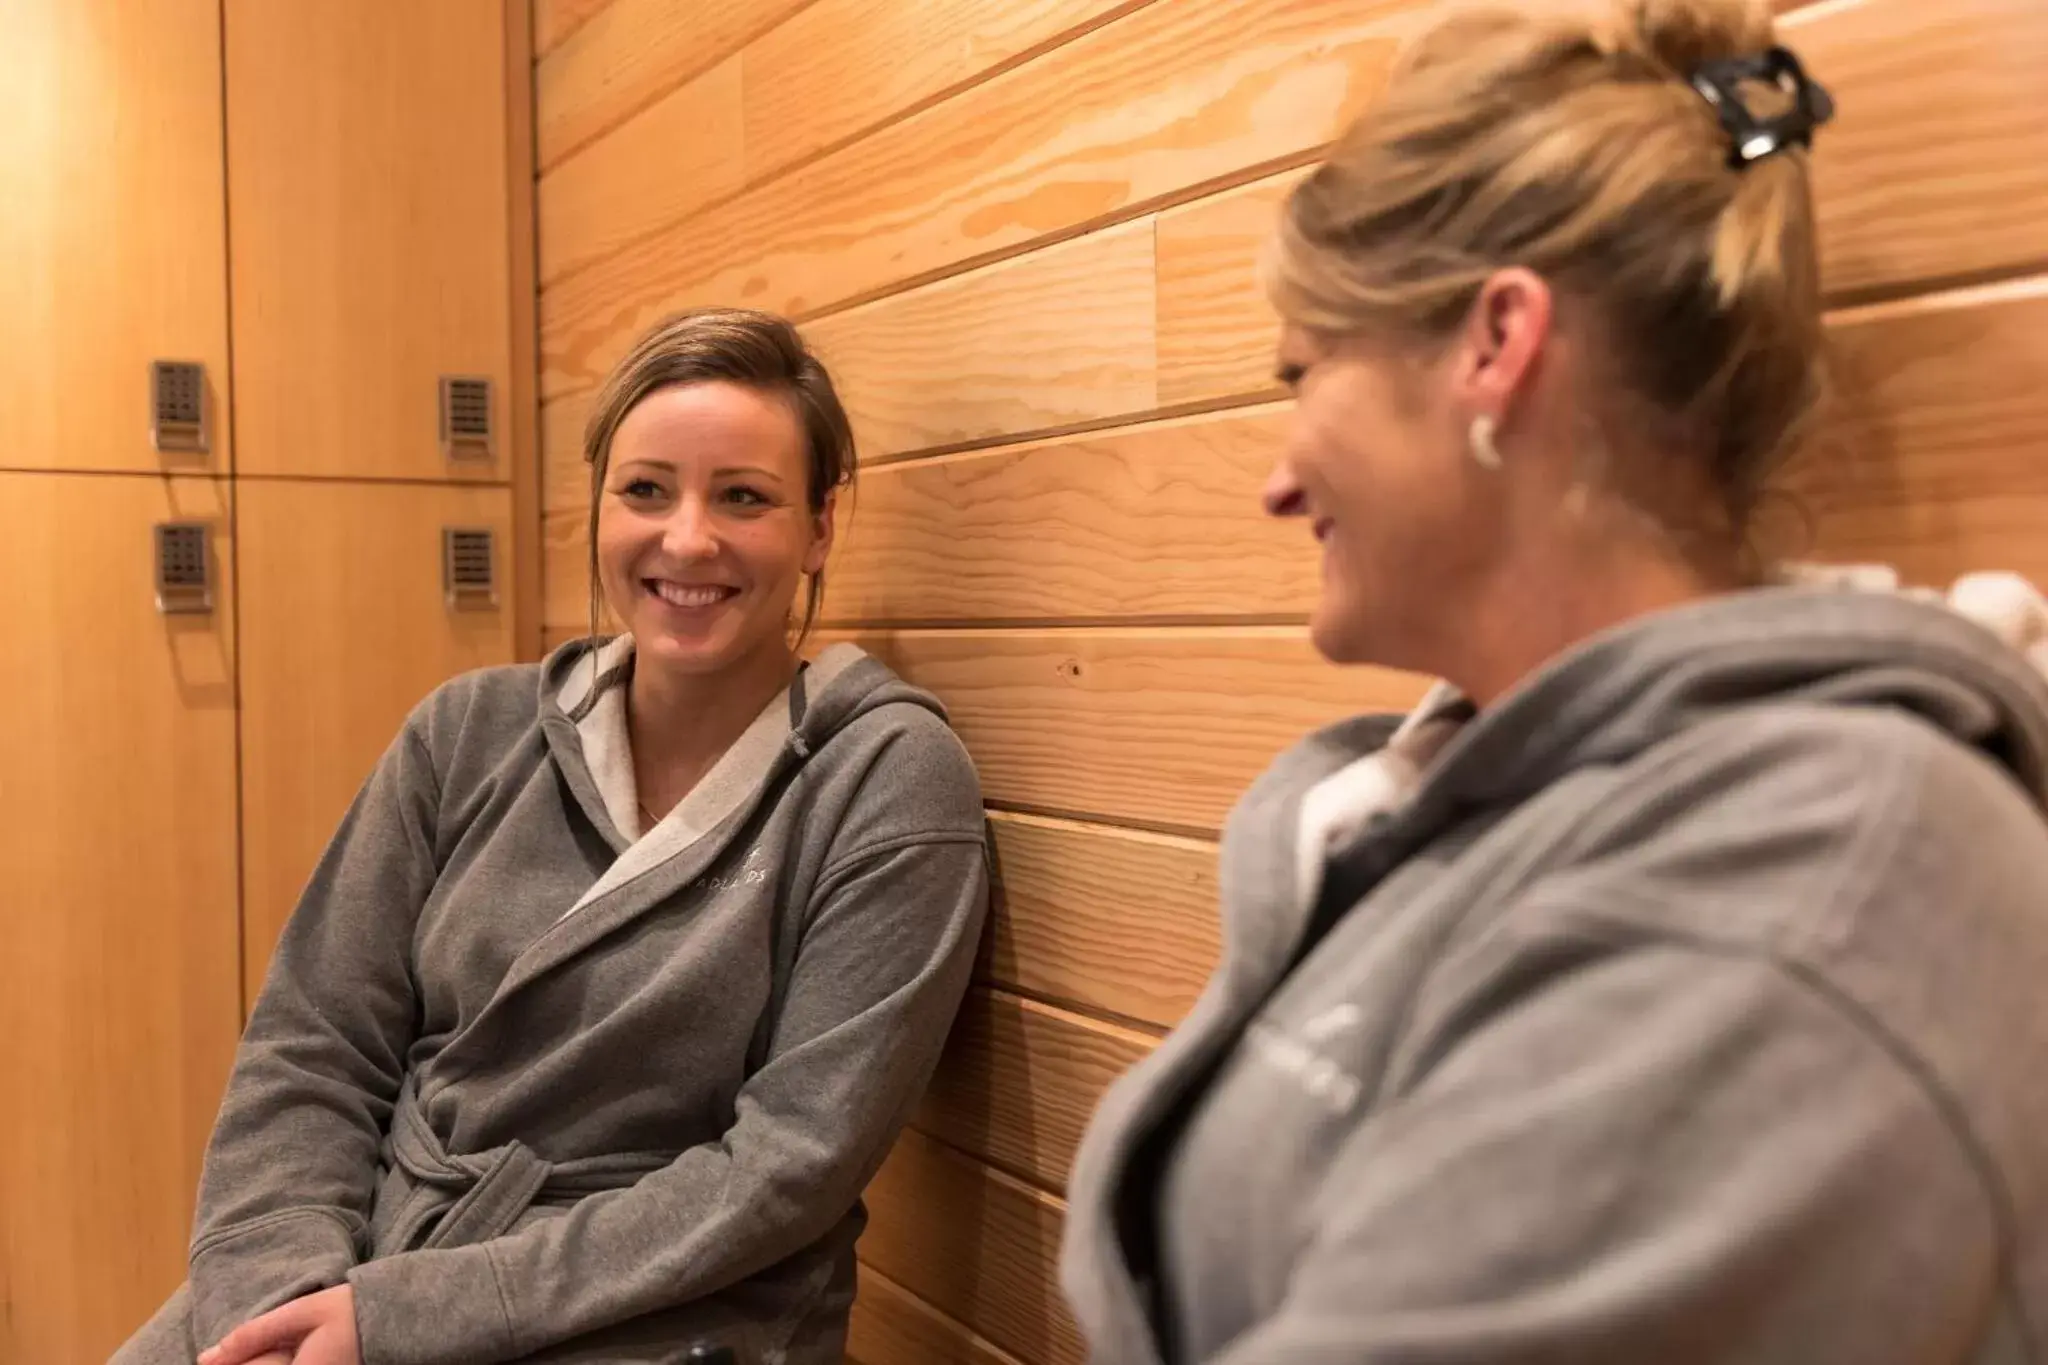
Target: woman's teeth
690,595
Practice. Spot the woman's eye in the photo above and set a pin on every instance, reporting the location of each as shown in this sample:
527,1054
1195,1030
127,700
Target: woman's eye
741,495
639,490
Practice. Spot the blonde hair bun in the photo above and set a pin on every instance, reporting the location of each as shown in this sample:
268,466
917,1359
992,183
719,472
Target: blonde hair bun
1581,149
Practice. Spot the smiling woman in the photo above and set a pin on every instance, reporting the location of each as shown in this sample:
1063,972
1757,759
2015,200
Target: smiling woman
703,469
728,381
1666,986
626,968
717,450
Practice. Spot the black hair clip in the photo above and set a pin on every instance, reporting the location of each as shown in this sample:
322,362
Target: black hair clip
1720,84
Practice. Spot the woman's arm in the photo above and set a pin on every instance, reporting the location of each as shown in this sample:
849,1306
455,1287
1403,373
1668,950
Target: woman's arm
286,1190
1665,1155
878,976
1728,1089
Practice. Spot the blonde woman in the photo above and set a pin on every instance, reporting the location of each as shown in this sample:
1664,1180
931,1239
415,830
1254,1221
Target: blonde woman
1669,987
625,969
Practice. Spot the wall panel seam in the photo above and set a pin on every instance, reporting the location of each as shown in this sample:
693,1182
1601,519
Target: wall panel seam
965,1329
752,183
662,92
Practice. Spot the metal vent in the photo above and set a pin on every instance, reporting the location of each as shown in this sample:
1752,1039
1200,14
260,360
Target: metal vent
177,405
184,567
469,567
465,417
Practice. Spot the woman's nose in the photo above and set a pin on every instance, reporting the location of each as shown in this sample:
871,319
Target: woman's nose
1282,495
689,533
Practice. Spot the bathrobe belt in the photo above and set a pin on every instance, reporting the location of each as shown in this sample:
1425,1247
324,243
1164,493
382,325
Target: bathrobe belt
482,1195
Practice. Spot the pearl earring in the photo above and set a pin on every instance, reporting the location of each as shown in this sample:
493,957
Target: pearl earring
1485,453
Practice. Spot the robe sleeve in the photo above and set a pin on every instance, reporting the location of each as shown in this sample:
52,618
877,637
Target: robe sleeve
289,1174
883,962
1669,1154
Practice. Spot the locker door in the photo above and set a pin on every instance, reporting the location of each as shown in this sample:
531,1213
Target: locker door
368,175
346,624
112,238
119,939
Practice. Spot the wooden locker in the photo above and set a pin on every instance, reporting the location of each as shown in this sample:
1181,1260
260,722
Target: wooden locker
346,624
119,941
112,237
370,195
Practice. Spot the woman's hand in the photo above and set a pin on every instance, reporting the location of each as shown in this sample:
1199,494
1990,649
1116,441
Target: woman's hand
319,1329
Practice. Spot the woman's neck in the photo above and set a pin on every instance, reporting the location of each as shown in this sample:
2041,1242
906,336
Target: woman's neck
681,723
1531,612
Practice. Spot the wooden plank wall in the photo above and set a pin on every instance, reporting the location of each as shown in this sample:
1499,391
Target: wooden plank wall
1022,231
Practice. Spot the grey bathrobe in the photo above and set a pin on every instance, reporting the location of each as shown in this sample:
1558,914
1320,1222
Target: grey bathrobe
1688,1006
528,1083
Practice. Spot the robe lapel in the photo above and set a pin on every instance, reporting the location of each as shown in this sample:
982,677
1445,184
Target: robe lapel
689,838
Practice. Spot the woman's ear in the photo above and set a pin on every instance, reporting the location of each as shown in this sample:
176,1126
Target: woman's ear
1503,340
823,526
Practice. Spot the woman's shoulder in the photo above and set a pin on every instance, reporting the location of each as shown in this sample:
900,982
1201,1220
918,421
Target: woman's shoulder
1860,766
904,760
1879,862
493,706
1814,789
1850,844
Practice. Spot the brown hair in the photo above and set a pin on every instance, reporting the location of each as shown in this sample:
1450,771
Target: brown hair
740,346
1583,154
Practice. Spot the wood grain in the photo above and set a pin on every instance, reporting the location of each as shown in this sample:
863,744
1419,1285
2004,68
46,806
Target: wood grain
841,66
1019,1081
892,1326
1937,167
975,1244
1216,331
555,20
1137,112
1058,337
522,387
565,515
119,998
335,577
1937,458
629,54
565,477
1161,727
676,155
565,546
1114,921
112,114
1158,521
369,188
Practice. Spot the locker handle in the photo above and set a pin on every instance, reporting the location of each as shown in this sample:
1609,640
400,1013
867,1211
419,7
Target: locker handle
178,407
469,567
466,417
184,567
